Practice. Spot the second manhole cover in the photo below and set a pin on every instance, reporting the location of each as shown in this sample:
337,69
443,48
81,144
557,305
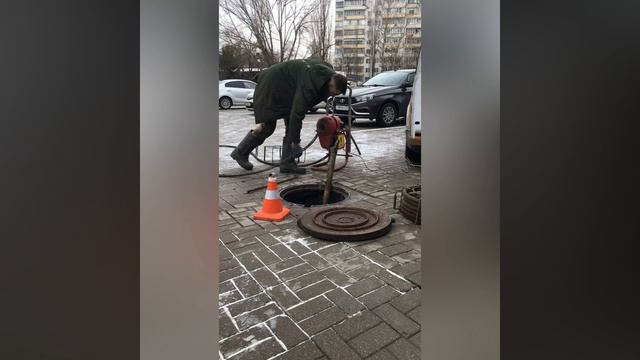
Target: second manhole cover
345,223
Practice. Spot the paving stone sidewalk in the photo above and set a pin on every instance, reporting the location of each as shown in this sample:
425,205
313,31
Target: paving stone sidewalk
286,295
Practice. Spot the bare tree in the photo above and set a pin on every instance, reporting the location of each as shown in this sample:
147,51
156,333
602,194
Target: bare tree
272,28
321,30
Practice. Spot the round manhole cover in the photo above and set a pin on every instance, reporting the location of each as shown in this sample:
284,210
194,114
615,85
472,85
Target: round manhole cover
345,223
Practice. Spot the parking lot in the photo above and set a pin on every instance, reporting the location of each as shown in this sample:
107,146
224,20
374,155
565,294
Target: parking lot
286,295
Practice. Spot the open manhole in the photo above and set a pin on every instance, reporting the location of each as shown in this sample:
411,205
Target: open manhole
345,223
311,194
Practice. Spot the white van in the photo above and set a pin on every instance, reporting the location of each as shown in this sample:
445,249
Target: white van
414,120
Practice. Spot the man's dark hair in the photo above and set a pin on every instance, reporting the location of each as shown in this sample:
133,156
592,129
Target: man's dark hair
341,82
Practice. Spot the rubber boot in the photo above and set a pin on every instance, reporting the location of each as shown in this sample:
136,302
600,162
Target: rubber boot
241,153
287,163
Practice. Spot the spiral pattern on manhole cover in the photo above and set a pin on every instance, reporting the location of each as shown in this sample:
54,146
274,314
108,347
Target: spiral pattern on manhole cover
345,223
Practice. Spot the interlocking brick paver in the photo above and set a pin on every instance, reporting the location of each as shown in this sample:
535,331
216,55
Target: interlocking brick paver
241,250
323,320
364,286
338,253
226,287
298,248
394,281
315,289
282,251
224,253
226,327
373,340
229,297
244,339
248,304
335,349
250,261
397,320
415,278
394,249
228,237
264,350
383,355
407,257
305,351
228,264
287,331
309,308
378,297
304,280
267,239
284,265
257,316
407,269
230,274
265,277
403,349
353,263
382,259
316,261
267,256
415,315
248,286
357,325
364,271
295,272
345,301
369,247
415,340
408,301
283,296
338,277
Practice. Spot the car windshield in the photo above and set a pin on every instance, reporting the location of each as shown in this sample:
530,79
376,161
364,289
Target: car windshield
389,78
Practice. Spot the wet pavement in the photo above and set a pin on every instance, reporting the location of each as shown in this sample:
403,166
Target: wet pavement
286,295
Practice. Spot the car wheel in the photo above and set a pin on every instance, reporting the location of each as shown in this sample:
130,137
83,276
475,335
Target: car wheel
387,115
225,103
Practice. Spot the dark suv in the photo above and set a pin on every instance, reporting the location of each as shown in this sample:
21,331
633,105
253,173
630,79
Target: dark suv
383,98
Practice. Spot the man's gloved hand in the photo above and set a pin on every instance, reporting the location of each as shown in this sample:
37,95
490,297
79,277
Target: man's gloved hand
296,150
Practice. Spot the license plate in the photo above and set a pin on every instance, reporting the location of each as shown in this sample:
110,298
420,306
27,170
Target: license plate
342,107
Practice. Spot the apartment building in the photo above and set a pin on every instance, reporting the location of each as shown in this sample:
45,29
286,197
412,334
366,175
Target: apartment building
390,29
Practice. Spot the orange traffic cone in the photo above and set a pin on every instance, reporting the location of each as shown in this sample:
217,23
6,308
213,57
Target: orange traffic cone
272,209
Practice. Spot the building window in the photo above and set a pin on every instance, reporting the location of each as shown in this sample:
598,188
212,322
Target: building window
354,13
355,2
339,4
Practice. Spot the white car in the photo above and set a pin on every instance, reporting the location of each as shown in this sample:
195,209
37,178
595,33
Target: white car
414,120
234,92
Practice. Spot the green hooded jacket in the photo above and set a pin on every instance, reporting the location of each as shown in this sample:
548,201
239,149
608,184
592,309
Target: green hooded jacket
289,89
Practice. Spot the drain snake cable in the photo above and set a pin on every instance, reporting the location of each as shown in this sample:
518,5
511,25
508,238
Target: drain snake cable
270,164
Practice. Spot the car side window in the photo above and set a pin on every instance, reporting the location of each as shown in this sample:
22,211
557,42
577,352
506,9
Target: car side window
234,84
249,85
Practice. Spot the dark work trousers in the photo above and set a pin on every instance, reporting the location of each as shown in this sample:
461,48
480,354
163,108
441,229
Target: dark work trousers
292,131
